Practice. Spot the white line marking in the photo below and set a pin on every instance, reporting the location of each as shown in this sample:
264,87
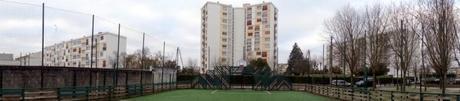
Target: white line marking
213,91
268,92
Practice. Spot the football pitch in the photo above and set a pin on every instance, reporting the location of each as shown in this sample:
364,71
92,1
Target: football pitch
230,95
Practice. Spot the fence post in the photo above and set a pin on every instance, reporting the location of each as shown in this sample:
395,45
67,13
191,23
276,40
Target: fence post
392,96
421,97
58,94
142,84
339,92
352,93
23,94
458,97
369,95
87,92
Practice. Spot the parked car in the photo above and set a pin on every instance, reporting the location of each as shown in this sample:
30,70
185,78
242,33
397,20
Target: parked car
457,81
340,83
365,83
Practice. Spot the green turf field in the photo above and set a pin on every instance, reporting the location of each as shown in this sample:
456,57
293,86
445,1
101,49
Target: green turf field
230,95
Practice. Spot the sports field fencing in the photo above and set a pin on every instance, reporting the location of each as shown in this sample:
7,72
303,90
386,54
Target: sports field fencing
363,94
19,83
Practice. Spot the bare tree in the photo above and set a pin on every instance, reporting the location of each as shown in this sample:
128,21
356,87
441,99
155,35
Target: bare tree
403,39
375,25
346,28
439,31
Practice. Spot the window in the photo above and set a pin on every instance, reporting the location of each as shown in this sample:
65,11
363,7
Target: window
249,8
87,41
102,37
264,54
103,63
224,46
104,47
224,33
250,28
225,13
224,20
259,20
223,59
248,22
267,32
249,34
258,53
257,28
249,16
264,7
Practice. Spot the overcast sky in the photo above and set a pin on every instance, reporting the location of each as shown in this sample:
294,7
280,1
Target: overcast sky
177,22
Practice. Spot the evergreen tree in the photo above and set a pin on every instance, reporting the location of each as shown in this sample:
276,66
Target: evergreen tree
259,65
296,61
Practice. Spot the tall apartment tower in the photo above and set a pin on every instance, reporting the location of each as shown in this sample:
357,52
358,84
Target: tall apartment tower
233,36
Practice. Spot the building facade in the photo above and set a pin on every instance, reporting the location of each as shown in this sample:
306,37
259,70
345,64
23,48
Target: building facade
232,36
7,59
77,52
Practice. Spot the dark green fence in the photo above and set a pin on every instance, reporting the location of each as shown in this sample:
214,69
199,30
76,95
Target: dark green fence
73,83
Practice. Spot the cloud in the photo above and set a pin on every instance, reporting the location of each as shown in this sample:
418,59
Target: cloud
176,22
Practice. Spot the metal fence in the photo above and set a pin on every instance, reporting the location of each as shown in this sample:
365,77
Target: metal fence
49,36
361,94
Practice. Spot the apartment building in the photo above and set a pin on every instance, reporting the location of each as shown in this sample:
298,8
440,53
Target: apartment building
7,59
77,52
232,36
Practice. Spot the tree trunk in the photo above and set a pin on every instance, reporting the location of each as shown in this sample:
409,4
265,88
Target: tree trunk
404,82
443,83
397,80
374,83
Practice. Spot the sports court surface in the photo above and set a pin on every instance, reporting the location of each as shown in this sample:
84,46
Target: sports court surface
230,95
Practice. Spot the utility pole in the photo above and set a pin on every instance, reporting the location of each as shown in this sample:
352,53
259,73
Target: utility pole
142,59
118,57
163,64
330,60
322,61
43,45
92,48
143,50
92,41
177,57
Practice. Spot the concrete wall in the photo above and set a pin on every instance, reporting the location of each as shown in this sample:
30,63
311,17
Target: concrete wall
30,76
238,36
